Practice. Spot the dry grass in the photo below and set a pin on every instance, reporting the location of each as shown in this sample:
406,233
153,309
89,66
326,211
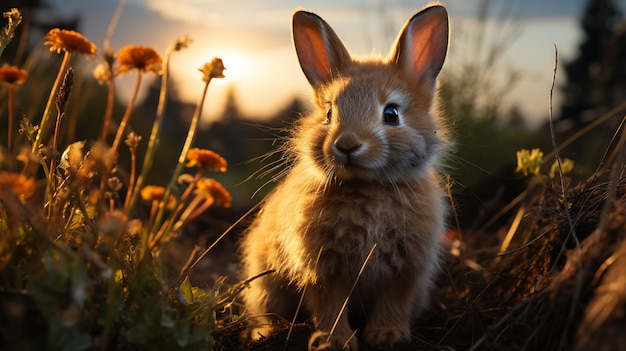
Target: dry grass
557,287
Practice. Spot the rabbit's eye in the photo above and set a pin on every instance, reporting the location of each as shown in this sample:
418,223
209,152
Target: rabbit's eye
391,115
329,115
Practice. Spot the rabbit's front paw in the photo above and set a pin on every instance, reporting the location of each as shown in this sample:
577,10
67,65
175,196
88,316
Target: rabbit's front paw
387,336
261,329
320,341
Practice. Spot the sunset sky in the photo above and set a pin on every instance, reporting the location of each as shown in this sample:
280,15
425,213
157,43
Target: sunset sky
253,38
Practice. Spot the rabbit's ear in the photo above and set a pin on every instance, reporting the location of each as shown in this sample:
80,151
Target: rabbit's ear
421,47
320,51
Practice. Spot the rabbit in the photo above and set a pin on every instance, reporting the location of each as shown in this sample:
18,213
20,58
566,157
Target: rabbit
360,213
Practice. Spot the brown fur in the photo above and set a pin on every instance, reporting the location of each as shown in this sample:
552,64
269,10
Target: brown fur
353,183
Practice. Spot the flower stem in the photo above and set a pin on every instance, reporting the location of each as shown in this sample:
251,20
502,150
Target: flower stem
133,170
191,135
43,126
11,127
153,211
52,174
192,212
129,110
191,185
108,114
182,206
153,143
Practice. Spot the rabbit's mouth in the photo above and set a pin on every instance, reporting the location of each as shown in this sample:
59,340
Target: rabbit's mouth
348,162
349,169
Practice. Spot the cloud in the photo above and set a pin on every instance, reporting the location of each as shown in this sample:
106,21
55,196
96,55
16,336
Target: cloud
185,10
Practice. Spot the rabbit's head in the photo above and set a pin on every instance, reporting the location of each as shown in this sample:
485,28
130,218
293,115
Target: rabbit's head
374,119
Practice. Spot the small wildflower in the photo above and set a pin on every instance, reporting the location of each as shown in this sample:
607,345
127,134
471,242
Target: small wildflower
152,192
529,161
114,184
138,57
182,43
206,159
213,69
566,166
156,193
69,41
12,75
28,129
212,188
103,74
133,140
14,16
7,33
20,184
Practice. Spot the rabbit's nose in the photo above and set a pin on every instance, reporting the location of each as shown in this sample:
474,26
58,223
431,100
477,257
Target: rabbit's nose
347,143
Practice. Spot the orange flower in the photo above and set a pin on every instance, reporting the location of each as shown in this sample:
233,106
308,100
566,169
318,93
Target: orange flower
156,193
21,185
152,192
12,74
212,188
69,41
139,57
213,69
206,159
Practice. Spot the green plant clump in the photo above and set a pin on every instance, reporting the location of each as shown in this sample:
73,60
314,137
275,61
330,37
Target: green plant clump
80,267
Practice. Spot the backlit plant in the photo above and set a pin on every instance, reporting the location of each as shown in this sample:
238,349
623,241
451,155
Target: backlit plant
76,262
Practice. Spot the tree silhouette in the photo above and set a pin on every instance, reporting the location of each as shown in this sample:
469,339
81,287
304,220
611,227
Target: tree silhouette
596,78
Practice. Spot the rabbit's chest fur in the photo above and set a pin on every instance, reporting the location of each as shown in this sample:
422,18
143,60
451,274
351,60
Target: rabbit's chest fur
313,235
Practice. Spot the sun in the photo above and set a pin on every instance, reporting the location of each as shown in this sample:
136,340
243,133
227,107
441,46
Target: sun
261,80
238,65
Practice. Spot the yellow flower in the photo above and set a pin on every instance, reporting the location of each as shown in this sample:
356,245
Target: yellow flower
21,185
206,159
213,69
212,188
12,74
138,57
566,166
69,41
529,162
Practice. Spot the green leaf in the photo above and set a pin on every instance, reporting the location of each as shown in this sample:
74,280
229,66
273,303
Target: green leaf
199,294
185,293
